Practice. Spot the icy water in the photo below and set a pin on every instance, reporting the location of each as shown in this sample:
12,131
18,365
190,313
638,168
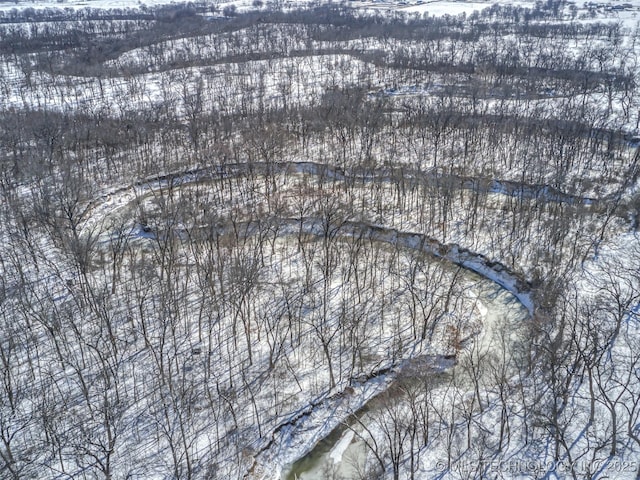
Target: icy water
342,455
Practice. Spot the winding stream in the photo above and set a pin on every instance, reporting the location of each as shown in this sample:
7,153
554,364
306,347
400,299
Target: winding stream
502,335
504,299
404,176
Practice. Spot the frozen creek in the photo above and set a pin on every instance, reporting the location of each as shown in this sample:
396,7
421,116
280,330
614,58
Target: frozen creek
503,301
343,454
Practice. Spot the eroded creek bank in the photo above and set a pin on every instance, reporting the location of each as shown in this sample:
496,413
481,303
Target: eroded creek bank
343,453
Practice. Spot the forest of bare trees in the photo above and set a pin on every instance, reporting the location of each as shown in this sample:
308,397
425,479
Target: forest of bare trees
229,234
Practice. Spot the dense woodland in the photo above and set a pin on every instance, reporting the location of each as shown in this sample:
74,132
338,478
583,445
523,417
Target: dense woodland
222,230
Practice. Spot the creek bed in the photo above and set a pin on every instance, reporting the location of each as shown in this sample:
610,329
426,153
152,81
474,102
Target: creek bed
342,455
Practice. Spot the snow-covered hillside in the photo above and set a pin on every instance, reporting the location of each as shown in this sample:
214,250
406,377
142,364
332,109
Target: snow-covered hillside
266,240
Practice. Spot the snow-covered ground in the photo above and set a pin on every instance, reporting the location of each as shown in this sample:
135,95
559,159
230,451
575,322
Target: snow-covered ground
174,322
502,336
437,7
